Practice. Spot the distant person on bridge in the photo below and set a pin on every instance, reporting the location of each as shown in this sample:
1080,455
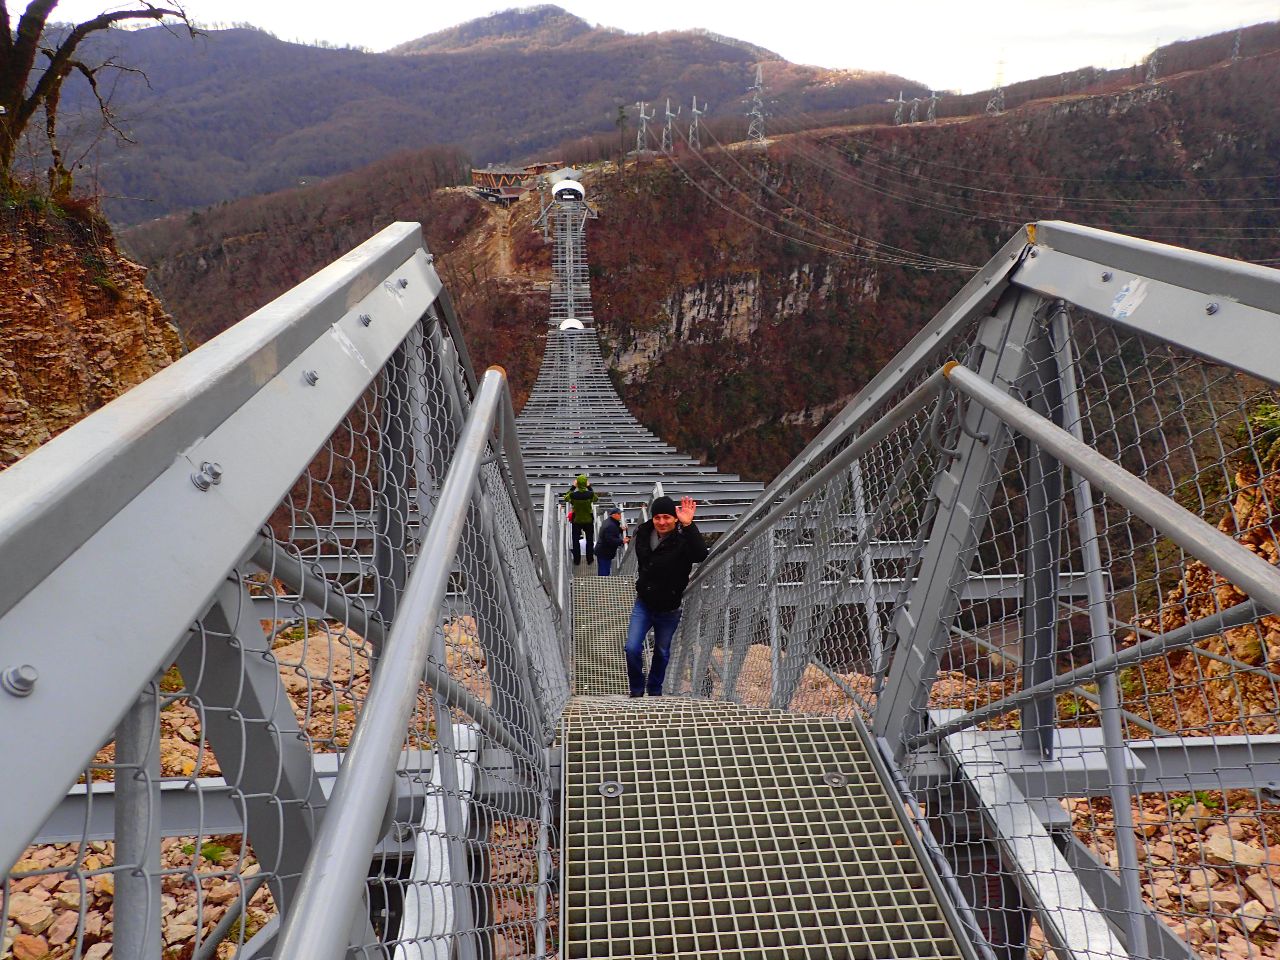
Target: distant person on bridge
667,546
612,537
581,498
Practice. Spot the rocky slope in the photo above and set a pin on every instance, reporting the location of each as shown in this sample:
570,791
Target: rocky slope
79,327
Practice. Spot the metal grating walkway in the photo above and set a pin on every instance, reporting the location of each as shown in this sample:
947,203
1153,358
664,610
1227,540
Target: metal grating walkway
697,829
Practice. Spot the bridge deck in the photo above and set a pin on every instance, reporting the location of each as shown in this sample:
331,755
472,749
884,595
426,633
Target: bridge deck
695,828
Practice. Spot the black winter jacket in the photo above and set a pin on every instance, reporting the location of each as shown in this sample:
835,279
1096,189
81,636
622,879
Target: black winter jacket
664,571
609,542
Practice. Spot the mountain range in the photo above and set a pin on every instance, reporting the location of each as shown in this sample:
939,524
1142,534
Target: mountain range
238,112
743,294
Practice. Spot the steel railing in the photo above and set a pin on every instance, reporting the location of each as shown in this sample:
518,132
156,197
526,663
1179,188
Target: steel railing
213,600
1040,575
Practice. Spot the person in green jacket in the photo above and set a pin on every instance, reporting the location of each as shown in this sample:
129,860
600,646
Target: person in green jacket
580,499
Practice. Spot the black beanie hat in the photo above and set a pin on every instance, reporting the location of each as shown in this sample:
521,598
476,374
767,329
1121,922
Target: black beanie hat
662,505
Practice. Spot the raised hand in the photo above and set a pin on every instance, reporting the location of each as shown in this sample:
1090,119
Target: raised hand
684,512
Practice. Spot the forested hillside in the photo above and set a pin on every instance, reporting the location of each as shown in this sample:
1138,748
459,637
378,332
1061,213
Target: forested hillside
743,294
239,112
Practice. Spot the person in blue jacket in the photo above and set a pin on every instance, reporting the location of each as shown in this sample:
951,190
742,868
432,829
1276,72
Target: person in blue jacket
610,541
667,546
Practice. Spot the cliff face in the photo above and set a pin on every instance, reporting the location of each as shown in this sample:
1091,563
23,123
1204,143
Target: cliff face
79,328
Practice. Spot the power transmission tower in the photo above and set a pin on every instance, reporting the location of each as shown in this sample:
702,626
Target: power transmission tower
897,111
695,142
642,134
933,106
668,141
756,115
1153,65
915,110
1235,47
995,106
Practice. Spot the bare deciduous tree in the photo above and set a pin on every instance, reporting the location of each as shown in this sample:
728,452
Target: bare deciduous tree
28,85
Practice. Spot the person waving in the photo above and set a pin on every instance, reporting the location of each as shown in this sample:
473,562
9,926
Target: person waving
667,545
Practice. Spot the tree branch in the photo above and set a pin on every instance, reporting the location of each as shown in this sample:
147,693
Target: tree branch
81,30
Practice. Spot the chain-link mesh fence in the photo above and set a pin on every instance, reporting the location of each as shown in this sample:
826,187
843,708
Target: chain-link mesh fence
1080,698
189,831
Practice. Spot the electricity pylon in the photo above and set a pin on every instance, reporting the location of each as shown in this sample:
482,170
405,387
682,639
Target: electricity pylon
667,139
695,142
756,114
642,134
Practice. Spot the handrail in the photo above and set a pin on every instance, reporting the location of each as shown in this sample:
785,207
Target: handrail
907,407
335,873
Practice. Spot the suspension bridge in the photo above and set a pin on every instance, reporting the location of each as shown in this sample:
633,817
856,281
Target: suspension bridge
294,665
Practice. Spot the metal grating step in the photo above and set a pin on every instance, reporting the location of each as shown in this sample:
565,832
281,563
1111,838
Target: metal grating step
724,833
601,611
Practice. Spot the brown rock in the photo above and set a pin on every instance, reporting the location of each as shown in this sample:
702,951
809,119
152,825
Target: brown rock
27,947
222,893
177,932
31,914
1263,890
63,927
1251,916
1226,899
1148,825
1221,849
99,951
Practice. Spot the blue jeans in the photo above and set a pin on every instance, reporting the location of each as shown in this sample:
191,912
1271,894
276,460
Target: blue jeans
664,628
604,565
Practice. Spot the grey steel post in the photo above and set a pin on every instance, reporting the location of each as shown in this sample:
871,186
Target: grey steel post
334,877
250,724
544,871
871,604
748,619
137,825
1103,646
453,802
962,491
1040,554
775,620
548,526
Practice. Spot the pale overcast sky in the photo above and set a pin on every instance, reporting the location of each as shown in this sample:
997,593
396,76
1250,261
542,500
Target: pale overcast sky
947,43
